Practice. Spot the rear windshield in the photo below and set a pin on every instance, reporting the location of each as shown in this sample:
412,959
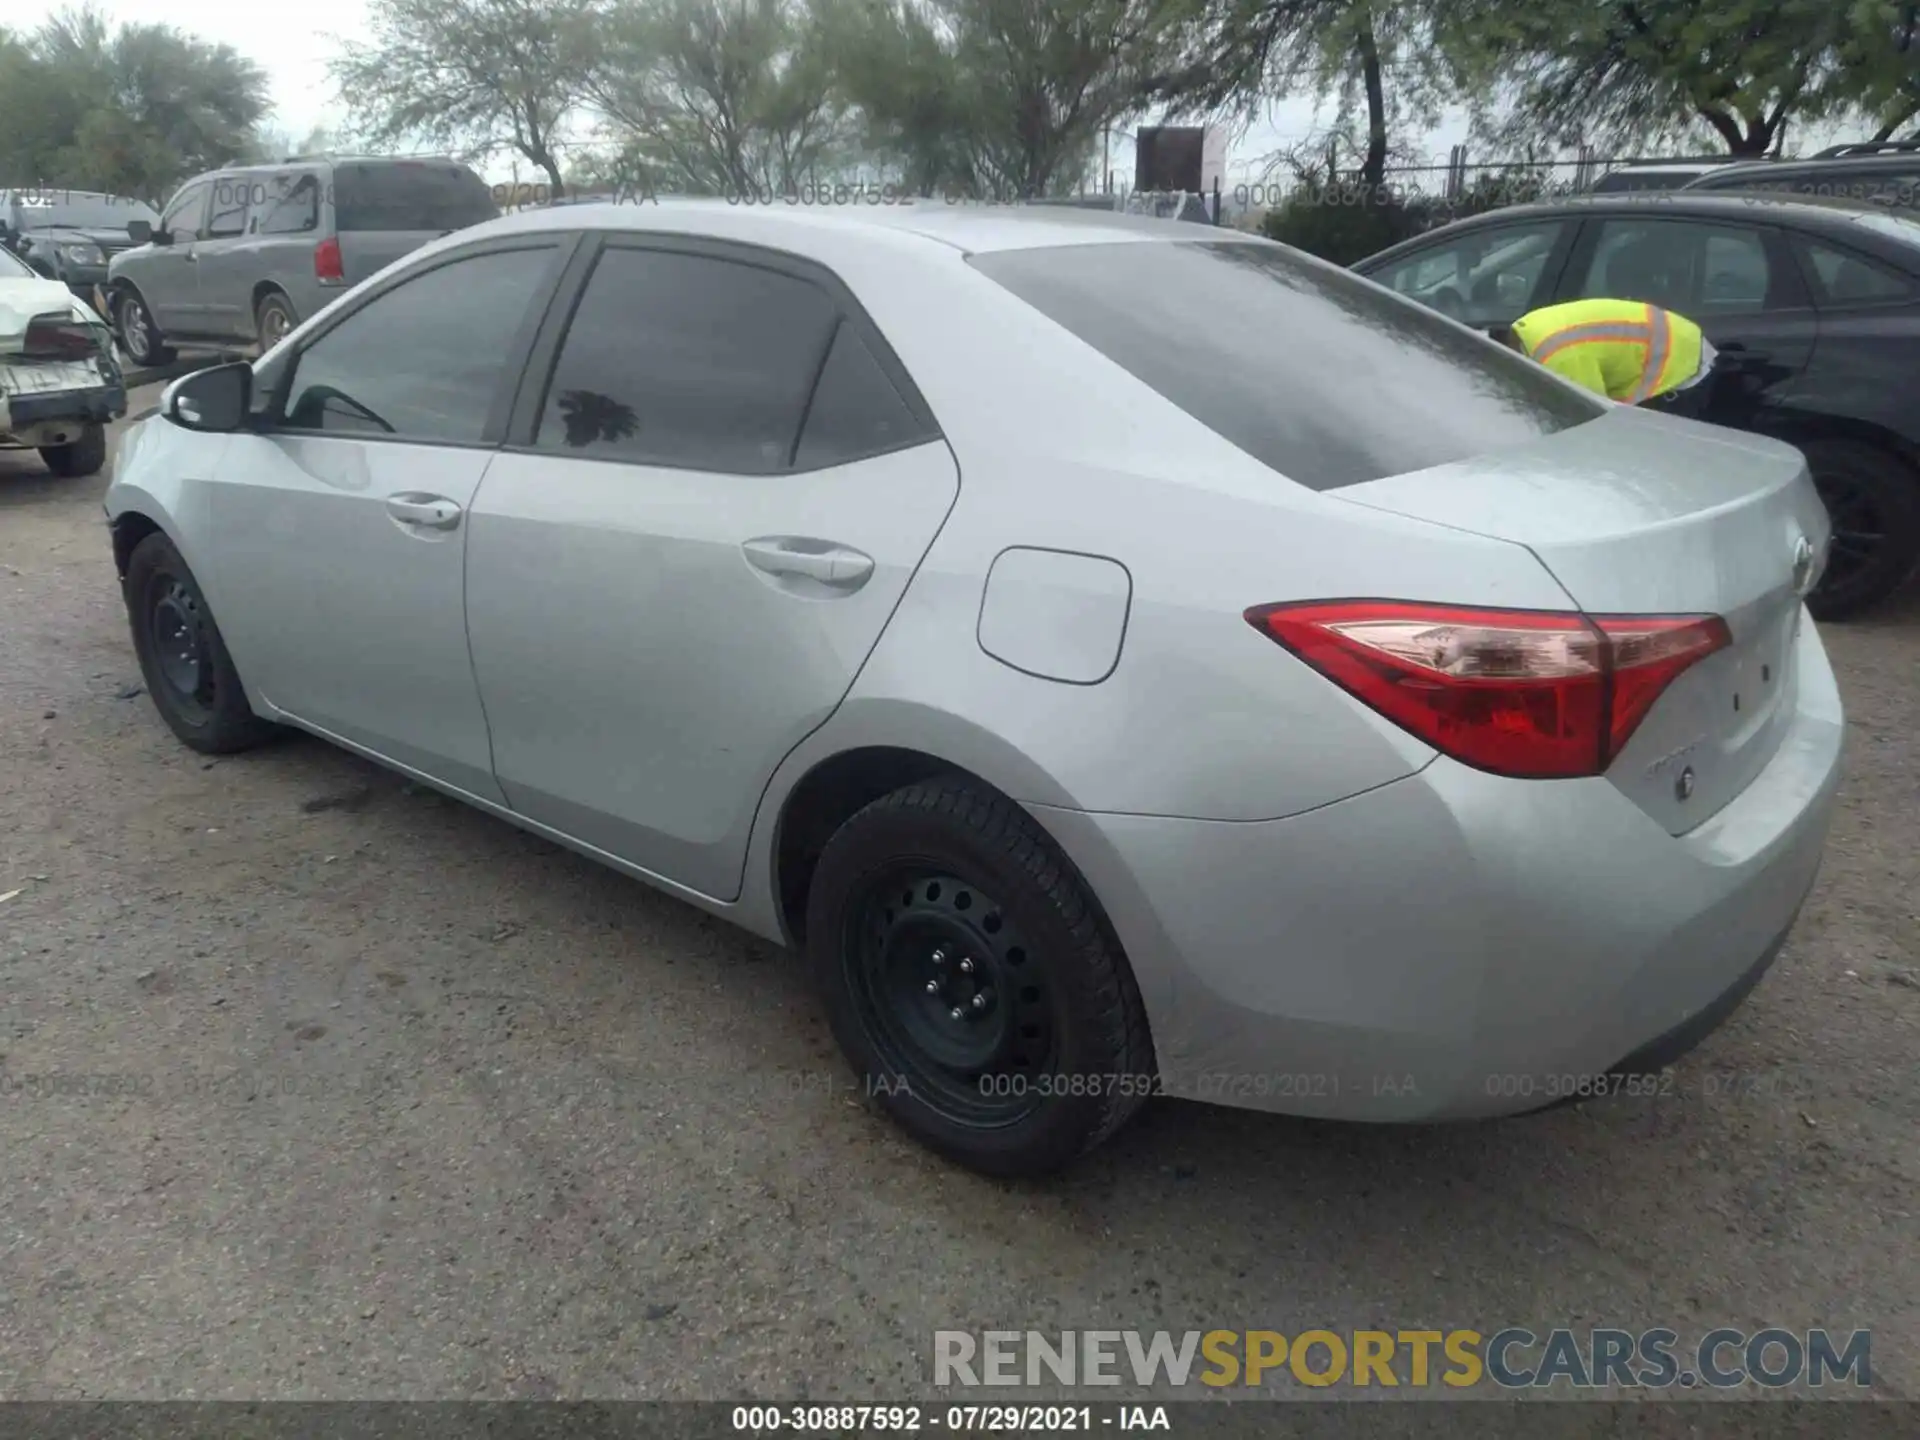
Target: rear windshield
1626,182
410,196
1323,376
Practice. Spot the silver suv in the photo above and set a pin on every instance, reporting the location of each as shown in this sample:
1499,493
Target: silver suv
243,255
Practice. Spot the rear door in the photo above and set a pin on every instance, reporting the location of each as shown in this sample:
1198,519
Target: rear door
1737,281
713,497
384,209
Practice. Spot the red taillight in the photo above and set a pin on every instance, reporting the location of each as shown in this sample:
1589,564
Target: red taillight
327,268
1533,694
59,339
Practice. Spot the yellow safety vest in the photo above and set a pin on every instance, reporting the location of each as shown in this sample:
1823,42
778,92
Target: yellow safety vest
1623,349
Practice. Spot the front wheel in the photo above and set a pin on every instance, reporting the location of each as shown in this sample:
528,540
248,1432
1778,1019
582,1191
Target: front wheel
81,457
1873,505
972,983
188,671
133,327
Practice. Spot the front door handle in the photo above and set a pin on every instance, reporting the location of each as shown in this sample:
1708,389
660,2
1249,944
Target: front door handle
821,561
430,512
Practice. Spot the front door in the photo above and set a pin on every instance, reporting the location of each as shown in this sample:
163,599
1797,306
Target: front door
340,533
1737,282
672,581
169,276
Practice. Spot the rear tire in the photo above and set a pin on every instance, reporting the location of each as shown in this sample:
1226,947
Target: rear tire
84,456
1873,500
188,671
972,983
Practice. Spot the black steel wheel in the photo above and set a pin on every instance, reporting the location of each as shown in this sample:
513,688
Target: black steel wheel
972,981
188,671
947,988
1873,505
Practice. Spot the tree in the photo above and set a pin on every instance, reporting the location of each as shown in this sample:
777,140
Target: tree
719,97
1879,73
473,76
1003,97
1386,66
130,110
1620,73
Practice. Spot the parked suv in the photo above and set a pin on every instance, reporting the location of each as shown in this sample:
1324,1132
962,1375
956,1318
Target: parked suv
69,235
243,255
1633,176
1881,174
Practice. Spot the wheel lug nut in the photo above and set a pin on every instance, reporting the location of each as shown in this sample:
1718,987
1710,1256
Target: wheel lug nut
940,957
980,1000
966,967
933,987
957,1013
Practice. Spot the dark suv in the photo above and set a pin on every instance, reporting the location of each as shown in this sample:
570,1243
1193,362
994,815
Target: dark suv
1813,306
69,235
1881,174
243,255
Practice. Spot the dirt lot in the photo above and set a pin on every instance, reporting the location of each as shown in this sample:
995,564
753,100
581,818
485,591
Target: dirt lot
413,1105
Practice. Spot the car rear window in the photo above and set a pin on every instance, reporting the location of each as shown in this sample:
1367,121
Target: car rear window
410,196
1323,376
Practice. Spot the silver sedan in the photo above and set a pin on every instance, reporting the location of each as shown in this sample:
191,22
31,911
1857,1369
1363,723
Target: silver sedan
1126,658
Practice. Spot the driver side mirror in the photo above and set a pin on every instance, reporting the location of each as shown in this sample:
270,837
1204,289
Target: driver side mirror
140,231
213,401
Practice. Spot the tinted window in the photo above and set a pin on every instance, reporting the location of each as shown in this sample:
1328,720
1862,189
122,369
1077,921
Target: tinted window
287,204
1685,267
1484,277
409,195
1843,279
687,361
188,210
1622,182
855,410
1322,375
425,359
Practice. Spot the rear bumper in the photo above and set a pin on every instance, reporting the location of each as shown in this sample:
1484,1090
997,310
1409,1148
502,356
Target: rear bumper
23,418
1452,944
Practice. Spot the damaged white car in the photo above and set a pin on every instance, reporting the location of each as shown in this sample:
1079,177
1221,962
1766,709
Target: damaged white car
59,383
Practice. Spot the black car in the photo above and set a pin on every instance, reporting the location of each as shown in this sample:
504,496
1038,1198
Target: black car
69,235
1886,174
1814,308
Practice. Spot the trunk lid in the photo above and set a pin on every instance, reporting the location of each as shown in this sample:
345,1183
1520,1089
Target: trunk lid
23,300
1642,514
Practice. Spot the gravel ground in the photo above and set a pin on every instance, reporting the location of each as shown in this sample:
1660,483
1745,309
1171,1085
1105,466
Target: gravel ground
410,1104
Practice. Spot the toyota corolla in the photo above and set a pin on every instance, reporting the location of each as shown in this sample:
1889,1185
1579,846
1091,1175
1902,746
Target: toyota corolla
1125,657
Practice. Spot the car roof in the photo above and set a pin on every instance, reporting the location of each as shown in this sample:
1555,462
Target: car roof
964,226
1811,211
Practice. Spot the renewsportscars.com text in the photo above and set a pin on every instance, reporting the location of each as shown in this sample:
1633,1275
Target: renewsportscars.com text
1511,1359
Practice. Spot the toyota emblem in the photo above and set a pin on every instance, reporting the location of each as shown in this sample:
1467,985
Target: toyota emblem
1802,566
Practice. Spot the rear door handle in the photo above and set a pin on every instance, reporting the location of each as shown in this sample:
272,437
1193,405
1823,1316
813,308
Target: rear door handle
821,561
429,512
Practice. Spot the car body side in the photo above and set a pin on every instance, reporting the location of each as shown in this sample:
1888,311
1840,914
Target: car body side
1163,767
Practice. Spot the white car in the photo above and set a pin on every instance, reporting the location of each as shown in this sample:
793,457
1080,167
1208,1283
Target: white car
59,383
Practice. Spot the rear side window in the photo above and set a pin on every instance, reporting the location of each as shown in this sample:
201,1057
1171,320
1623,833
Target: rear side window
1843,279
688,361
856,411
410,195
1321,375
288,204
